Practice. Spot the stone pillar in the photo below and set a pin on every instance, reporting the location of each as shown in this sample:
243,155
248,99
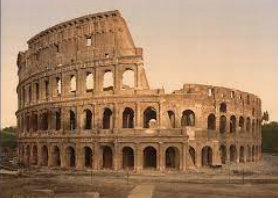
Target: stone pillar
198,155
238,153
228,154
117,79
98,81
63,157
161,156
139,164
184,156
138,123
96,156
116,155
79,119
79,156
216,155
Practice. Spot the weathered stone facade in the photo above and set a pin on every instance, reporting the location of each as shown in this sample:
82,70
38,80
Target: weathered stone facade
68,118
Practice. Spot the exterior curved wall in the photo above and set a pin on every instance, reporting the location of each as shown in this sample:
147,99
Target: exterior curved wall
62,121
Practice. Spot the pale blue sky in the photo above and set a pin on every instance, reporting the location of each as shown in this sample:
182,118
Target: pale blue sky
232,43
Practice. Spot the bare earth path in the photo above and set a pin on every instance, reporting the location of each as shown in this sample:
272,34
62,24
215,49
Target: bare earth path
142,191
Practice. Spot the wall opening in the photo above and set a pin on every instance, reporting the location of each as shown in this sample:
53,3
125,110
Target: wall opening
149,116
88,159
206,156
192,155
35,155
107,158
58,86
70,157
222,127
233,124
37,88
172,158
46,85
223,154
128,158
107,121
188,118
72,83
56,157
128,79
89,82
128,118
171,116
233,153
223,107
211,122
72,121
248,124
87,119
44,155
35,122
57,120
108,81
44,121
150,158
241,154
241,124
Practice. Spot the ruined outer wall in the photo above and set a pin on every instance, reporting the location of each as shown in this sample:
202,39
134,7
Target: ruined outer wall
44,113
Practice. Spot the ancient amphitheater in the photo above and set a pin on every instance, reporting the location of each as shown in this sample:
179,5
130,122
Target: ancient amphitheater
71,116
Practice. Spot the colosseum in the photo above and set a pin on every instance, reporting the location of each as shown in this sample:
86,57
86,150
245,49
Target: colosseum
71,115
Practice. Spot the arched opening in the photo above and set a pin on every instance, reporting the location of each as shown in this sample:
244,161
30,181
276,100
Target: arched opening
241,124
171,116
206,156
128,79
37,89
73,83
44,155
107,121
108,81
72,121
150,158
44,121
128,158
253,153
35,155
248,156
241,154
107,157
89,82
149,116
248,124
28,123
211,122
223,107
87,119
192,154
188,118
56,157
58,86
172,158
35,122
232,124
253,127
28,155
222,126
88,159
57,120
128,118
233,153
70,153
223,154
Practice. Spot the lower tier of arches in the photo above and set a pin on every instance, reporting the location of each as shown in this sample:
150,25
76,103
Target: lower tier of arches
136,156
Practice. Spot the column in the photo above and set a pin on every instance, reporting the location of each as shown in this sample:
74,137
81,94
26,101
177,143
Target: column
161,155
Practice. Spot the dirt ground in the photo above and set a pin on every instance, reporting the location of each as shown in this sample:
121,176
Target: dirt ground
260,180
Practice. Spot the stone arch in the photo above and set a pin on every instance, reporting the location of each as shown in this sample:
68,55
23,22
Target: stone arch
128,118
44,156
87,119
150,157
88,157
241,123
44,121
57,120
128,158
172,118
232,124
35,155
223,107
188,118
28,154
172,158
222,125
223,153
192,154
211,122
56,157
107,120
241,154
70,157
89,82
72,83
206,156
128,79
149,115
253,153
35,122
248,124
108,80
107,157
233,153
72,120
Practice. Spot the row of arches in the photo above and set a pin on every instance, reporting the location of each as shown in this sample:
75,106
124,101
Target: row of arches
150,156
241,125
